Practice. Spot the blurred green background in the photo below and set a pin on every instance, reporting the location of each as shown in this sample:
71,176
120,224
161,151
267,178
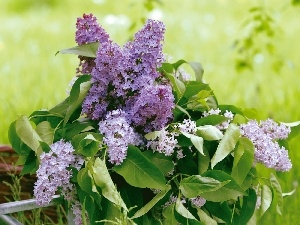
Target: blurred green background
249,49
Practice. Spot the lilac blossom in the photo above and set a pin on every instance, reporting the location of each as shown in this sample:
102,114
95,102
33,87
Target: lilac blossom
146,49
198,201
224,125
118,134
153,108
187,126
53,172
88,31
165,143
267,150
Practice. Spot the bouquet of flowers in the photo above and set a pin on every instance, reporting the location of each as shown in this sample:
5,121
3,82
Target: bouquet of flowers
138,140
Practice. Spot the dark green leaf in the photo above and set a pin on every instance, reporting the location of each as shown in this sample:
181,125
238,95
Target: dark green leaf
87,50
247,210
151,203
164,163
139,171
203,161
211,120
31,164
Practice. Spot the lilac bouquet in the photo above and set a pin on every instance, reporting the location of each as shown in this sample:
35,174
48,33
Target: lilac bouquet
140,141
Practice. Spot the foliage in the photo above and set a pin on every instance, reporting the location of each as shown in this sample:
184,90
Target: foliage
199,168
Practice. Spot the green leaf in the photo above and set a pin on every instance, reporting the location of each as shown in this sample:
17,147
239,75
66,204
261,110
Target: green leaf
85,180
266,199
198,70
278,193
152,135
139,171
227,144
243,160
248,208
87,144
168,214
17,144
151,203
28,135
103,180
45,131
230,190
78,92
196,185
164,163
31,164
206,219
196,140
87,50
231,108
209,133
203,161
178,86
211,120
184,217
251,113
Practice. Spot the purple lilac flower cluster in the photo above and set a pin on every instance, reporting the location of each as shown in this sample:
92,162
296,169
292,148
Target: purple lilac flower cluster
53,172
198,201
118,135
88,31
267,150
126,80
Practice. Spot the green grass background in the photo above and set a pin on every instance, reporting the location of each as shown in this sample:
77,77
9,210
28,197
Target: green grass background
32,77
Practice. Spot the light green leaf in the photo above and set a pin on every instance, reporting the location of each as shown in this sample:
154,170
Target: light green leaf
288,193
196,140
87,50
178,86
179,207
206,219
152,135
168,214
198,70
45,131
195,185
78,92
266,199
227,144
28,135
139,171
103,180
209,133
278,193
230,190
243,160
151,203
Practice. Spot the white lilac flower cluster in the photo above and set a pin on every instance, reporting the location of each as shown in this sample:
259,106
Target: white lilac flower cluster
224,125
264,136
166,141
